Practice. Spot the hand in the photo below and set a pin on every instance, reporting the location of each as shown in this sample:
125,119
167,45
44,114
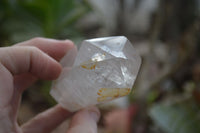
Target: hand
20,66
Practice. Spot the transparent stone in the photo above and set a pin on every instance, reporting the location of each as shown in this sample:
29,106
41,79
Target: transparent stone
104,69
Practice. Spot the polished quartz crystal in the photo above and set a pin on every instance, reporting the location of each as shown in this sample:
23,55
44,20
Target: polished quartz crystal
104,69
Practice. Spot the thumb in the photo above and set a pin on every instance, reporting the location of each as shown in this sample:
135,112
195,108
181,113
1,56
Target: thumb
85,121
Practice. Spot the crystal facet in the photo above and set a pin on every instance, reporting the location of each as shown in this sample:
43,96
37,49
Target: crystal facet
104,69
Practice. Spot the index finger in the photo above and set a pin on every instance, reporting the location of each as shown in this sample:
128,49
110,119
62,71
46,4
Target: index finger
19,60
54,48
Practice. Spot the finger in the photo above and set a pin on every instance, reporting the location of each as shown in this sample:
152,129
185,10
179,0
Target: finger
46,121
85,121
54,48
19,60
6,86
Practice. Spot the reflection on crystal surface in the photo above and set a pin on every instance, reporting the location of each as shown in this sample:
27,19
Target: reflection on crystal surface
111,45
104,69
98,57
128,77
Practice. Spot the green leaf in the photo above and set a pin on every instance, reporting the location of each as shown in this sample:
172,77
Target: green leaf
46,18
181,117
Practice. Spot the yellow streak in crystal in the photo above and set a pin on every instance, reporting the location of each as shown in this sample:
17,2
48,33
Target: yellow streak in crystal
89,67
111,93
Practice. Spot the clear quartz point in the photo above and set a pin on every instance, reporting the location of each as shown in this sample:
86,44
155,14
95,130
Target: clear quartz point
104,69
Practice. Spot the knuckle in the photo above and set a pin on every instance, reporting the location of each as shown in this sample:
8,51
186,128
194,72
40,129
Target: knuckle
34,50
37,39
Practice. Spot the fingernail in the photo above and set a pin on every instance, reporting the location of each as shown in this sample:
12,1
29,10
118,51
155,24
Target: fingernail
94,113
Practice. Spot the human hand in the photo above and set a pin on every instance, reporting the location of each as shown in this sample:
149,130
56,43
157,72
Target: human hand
20,66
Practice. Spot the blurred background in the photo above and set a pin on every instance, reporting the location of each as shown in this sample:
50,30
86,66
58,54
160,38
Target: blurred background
166,33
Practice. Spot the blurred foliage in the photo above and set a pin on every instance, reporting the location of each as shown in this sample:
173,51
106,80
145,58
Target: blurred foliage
24,19
179,117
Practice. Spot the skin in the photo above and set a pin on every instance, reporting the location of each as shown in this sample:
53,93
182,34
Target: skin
20,66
